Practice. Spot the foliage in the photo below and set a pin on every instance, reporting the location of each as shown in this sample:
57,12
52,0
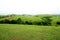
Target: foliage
19,21
31,20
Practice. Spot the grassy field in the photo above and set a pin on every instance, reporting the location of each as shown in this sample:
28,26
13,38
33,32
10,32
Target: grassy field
28,32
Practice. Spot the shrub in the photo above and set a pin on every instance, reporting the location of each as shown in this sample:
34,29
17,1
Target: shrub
28,22
58,23
19,21
13,21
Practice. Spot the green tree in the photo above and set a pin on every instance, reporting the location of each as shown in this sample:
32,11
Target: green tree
46,20
19,21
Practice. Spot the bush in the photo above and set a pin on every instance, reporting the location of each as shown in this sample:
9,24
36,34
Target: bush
13,22
19,21
46,20
58,23
28,22
6,21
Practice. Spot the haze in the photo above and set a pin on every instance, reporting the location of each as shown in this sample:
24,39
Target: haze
30,7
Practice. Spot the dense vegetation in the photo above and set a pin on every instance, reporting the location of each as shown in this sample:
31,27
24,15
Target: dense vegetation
31,20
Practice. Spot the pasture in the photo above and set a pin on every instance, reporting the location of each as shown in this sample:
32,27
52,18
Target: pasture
29,32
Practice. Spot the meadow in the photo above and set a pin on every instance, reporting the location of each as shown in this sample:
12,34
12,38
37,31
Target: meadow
29,27
29,32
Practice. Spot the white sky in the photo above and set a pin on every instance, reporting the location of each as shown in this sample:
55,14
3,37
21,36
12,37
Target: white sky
29,6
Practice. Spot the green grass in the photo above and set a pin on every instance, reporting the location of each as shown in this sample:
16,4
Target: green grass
26,18
28,32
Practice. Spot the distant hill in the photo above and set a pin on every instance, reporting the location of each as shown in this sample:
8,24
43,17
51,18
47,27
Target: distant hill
31,18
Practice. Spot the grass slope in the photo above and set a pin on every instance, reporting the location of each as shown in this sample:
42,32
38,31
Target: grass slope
32,18
29,32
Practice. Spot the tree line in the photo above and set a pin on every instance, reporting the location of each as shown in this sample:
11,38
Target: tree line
45,21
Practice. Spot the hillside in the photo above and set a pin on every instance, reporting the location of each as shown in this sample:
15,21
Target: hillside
33,18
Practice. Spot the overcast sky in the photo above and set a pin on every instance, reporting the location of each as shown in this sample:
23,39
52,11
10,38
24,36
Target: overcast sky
29,6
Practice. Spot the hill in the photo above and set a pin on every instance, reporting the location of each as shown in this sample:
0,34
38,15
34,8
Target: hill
33,19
